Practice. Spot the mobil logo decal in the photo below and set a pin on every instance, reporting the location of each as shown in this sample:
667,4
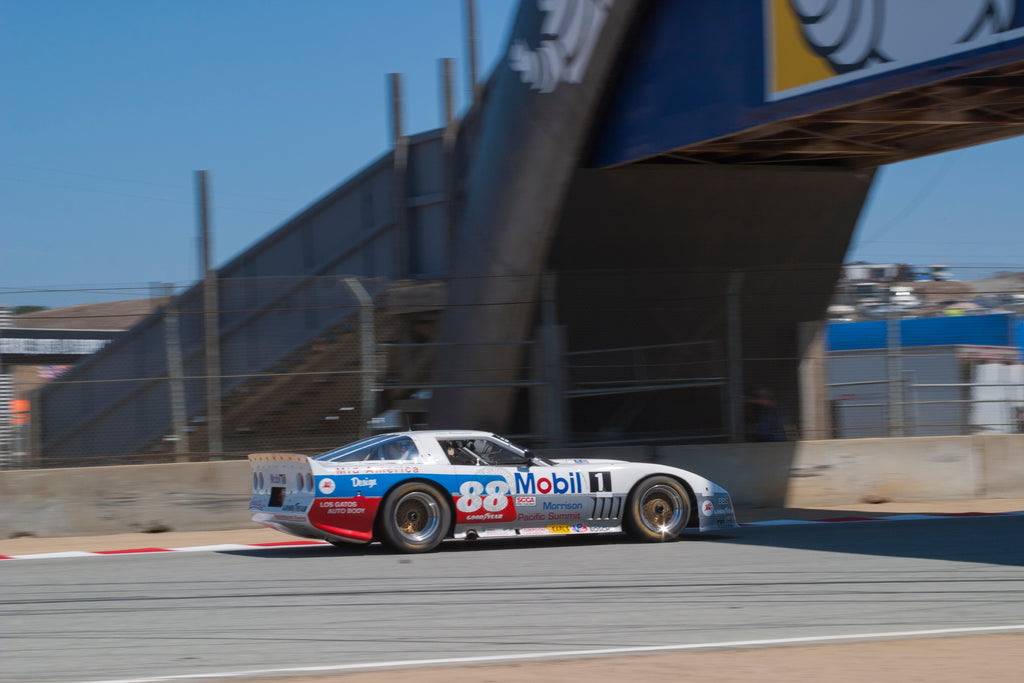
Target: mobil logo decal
530,484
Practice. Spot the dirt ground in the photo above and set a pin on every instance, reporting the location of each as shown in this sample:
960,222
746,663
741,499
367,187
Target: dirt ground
978,658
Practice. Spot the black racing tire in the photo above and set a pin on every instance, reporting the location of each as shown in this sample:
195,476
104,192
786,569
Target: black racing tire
415,518
658,510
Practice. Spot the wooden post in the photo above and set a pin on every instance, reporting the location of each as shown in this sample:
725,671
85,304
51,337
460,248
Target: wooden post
215,444
402,260
471,48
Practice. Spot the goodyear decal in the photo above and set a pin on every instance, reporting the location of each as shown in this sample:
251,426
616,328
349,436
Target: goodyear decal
816,44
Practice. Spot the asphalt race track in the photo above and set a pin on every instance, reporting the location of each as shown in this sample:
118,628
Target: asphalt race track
150,616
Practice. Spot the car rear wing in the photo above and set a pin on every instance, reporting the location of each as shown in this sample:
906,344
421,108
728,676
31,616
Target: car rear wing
277,457
280,476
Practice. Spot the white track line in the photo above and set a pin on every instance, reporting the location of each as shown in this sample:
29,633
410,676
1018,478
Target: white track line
573,654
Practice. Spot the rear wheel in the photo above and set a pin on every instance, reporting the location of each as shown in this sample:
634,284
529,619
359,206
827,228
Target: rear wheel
414,518
658,510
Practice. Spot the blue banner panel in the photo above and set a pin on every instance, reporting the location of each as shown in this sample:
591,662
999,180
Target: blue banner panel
972,330
703,69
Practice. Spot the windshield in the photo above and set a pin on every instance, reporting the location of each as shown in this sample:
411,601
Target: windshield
491,450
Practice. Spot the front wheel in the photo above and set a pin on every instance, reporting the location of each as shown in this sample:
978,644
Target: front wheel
658,510
414,518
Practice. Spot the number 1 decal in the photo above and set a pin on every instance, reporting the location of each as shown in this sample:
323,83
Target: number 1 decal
600,482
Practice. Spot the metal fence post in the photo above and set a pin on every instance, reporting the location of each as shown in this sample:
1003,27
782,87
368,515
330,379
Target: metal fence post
368,352
172,342
552,355
910,400
894,365
734,352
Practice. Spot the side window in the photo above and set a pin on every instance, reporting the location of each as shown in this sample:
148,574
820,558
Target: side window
459,453
358,455
495,453
370,454
400,449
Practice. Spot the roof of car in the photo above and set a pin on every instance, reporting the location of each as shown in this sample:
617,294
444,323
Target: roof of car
447,433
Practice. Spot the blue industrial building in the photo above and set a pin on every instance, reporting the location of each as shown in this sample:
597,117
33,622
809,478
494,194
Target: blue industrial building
926,376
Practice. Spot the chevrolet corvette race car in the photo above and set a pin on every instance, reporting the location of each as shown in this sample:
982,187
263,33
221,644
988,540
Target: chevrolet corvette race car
411,490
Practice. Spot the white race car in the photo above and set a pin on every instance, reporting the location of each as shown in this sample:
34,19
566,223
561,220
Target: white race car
411,490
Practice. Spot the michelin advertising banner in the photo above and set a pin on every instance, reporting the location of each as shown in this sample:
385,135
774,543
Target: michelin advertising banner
816,44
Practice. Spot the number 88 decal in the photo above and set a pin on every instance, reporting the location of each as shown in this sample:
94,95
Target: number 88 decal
472,500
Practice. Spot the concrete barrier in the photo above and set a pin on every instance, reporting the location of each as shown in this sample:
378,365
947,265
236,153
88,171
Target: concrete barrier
1002,465
754,474
108,500
214,495
881,470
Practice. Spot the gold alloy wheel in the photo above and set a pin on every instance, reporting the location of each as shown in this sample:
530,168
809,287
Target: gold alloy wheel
661,508
417,516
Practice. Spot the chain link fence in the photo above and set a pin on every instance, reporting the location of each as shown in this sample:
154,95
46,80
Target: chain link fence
308,364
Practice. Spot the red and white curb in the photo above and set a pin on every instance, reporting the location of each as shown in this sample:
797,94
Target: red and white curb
222,547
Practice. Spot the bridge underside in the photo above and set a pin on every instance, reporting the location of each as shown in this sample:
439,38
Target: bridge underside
774,237
981,107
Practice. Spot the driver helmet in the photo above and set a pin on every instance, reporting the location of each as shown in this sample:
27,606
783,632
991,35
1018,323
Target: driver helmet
402,449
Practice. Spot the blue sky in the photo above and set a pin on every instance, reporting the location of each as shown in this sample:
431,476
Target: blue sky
109,106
